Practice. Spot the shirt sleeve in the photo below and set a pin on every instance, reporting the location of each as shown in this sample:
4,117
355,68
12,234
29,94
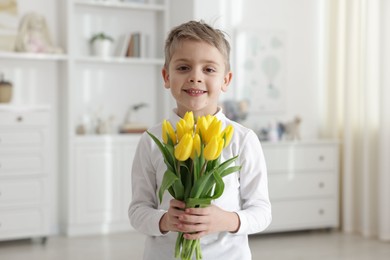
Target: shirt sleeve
143,213
255,215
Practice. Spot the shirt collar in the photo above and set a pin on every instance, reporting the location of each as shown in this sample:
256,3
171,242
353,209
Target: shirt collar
174,117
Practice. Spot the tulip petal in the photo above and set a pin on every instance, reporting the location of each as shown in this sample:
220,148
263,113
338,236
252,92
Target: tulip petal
184,148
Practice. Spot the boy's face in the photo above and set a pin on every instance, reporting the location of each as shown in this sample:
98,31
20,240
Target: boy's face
196,76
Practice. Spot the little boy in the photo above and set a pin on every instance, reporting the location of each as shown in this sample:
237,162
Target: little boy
197,70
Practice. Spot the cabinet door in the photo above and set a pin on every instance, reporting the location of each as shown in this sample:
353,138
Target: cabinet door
97,180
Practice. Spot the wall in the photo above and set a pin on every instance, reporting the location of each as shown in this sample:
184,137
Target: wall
299,20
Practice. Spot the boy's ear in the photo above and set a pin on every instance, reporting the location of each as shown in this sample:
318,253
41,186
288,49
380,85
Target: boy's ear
226,81
165,76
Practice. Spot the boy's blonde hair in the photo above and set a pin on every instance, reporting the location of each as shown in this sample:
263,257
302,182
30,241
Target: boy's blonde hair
197,31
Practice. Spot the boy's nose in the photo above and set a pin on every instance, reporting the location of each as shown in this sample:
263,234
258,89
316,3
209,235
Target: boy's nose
195,78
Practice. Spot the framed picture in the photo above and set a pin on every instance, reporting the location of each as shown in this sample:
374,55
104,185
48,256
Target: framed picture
260,60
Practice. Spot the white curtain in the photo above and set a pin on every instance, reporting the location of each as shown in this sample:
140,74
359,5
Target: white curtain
357,111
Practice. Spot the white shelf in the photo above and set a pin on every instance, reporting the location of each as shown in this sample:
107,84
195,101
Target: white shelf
97,139
33,56
120,60
121,5
11,107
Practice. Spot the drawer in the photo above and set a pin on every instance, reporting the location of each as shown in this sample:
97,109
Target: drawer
24,118
294,158
292,186
304,214
16,164
21,137
18,223
14,192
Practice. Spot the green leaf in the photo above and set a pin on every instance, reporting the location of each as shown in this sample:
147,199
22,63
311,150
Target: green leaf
168,180
230,170
187,180
201,184
219,185
178,188
226,163
165,150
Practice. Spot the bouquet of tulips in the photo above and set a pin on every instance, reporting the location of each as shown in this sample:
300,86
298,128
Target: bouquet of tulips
194,170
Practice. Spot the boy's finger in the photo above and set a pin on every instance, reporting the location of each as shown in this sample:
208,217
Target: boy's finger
177,204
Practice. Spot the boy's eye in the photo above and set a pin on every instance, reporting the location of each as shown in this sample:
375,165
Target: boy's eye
182,68
209,70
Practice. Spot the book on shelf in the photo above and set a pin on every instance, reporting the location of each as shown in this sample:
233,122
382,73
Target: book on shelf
122,46
138,45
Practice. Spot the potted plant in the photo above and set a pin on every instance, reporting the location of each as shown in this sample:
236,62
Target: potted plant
101,44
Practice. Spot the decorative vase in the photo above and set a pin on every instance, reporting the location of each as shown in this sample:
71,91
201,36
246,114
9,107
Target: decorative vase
102,48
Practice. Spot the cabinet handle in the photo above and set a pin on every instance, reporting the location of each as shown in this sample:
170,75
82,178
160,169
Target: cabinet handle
321,184
19,119
321,212
321,158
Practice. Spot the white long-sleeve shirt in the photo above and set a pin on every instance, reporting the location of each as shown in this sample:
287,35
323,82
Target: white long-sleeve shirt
246,193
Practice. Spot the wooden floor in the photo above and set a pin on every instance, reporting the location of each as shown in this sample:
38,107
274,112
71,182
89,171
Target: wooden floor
313,245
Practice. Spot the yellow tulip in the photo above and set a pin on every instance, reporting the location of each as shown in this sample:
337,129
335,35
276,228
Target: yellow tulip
210,118
189,119
196,147
227,134
213,149
184,148
167,130
180,129
201,126
214,129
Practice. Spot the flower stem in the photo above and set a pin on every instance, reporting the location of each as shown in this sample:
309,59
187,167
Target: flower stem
203,168
178,169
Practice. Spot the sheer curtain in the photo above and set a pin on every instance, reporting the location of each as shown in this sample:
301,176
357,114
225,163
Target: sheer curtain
356,110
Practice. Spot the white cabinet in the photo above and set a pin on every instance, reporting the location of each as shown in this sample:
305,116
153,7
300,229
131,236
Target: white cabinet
97,167
28,121
101,184
303,182
25,169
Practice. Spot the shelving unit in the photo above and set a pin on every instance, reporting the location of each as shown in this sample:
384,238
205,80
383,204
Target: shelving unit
97,167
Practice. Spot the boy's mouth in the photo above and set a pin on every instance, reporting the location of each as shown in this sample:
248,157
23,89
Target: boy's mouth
194,92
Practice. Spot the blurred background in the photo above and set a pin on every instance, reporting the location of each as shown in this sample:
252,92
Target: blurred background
80,80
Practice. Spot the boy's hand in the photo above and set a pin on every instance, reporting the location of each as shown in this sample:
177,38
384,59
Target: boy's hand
170,220
198,222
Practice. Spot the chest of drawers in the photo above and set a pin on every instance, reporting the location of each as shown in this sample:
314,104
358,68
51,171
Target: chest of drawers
303,182
24,173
